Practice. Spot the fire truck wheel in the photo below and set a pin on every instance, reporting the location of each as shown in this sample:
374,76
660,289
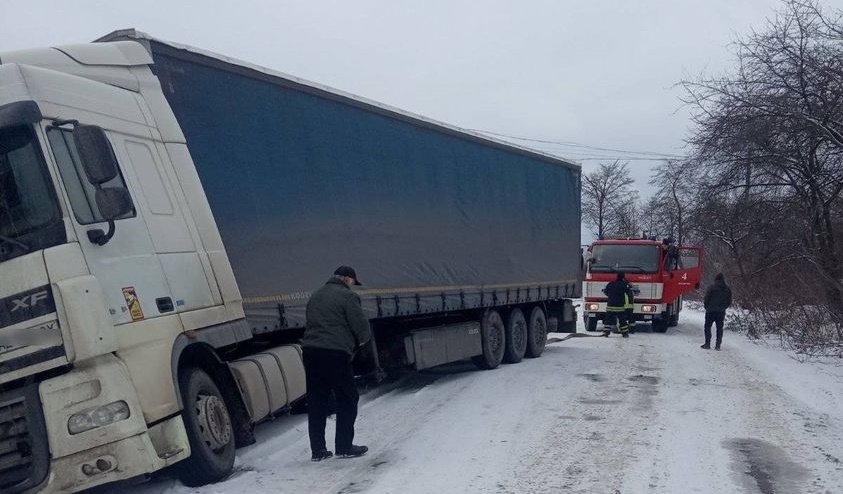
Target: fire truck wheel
536,333
674,320
492,336
591,324
660,325
516,337
209,430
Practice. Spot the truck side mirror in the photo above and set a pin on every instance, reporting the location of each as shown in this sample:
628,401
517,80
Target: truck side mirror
114,202
96,154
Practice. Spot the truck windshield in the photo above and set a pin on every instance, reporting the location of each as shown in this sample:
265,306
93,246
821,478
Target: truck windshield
30,218
616,258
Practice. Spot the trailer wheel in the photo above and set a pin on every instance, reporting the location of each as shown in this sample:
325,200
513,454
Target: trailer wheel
536,333
209,430
516,337
590,323
492,334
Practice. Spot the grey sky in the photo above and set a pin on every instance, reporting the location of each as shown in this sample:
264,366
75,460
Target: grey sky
592,72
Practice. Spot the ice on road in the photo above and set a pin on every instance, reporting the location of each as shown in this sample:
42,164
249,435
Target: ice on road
651,413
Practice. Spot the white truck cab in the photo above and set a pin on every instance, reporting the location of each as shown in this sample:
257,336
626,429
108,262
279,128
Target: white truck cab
110,265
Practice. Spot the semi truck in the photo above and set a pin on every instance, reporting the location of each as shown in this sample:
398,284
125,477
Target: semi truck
660,273
165,213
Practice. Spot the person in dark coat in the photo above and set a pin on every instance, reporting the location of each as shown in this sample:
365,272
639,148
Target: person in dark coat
619,294
336,328
718,298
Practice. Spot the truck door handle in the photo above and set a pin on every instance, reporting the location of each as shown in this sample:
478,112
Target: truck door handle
165,304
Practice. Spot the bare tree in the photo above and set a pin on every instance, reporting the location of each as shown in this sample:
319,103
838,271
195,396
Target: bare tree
676,182
606,194
769,149
654,222
628,216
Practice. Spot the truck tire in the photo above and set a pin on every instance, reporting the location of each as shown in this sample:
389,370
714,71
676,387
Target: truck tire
492,335
516,337
674,317
674,321
536,333
590,323
209,430
660,325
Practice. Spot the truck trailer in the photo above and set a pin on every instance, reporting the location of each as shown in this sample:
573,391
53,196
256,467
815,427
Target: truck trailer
165,213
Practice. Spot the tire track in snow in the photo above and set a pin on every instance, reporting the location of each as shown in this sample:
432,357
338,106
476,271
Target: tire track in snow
589,451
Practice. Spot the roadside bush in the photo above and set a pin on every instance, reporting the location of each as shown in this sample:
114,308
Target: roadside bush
810,331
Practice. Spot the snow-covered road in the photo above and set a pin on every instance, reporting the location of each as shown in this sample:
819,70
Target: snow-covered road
652,413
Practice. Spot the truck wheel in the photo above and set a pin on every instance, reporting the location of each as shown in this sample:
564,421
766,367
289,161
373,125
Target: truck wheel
492,335
516,337
209,430
591,324
674,317
660,325
536,333
674,320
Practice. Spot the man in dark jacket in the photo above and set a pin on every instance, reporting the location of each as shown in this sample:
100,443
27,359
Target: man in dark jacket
336,328
718,298
619,294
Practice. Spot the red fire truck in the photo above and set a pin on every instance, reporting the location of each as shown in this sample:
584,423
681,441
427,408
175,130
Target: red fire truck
660,274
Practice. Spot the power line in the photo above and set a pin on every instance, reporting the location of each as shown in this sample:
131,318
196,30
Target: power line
600,157
642,154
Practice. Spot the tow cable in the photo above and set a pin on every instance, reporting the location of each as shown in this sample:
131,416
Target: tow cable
604,334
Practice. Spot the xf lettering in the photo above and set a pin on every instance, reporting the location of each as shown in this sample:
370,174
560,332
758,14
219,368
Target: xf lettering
29,301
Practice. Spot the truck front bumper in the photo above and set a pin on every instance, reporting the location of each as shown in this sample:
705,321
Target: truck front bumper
644,311
68,440
121,460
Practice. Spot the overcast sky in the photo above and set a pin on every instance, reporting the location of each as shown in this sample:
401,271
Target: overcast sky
590,72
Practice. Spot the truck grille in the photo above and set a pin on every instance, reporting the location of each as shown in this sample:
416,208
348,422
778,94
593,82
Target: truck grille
23,448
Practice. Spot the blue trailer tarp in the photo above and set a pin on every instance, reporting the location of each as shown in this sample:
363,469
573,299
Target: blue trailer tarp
302,180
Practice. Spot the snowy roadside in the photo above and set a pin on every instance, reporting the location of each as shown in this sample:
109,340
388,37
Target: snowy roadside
818,382
750,418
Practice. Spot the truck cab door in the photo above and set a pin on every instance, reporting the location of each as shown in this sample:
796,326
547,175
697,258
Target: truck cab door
126,266
683,266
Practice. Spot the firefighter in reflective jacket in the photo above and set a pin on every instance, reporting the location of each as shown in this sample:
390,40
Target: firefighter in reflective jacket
619,293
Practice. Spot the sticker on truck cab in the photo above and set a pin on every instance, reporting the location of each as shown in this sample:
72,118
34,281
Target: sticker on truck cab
133,303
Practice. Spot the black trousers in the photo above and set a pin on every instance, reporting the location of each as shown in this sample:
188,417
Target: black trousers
618,320
716,318
330,371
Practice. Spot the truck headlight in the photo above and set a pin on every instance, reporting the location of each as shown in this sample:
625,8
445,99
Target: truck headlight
592,307
97,417
649,309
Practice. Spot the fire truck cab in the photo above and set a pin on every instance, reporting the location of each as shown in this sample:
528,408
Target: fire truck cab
659,271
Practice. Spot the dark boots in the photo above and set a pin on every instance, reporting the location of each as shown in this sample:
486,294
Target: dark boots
321,455
353,452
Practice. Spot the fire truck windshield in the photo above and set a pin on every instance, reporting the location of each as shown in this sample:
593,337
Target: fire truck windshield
616,258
